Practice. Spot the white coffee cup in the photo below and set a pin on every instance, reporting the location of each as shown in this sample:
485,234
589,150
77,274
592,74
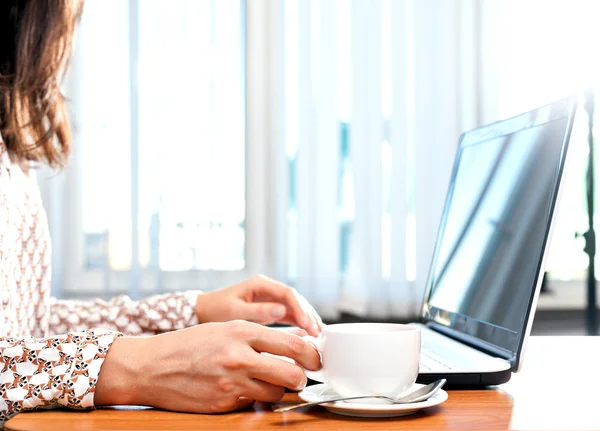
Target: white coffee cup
368,358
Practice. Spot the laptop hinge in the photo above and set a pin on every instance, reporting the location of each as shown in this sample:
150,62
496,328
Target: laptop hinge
475,342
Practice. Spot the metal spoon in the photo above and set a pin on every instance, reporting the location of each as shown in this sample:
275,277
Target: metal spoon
419,395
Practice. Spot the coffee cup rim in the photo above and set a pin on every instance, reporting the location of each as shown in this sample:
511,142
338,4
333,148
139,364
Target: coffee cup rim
385,328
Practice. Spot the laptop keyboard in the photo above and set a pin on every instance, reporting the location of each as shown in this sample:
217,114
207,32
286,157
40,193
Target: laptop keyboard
430,361
440,353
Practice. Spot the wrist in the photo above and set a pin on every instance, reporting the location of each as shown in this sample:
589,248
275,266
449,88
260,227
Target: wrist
122,378
200,308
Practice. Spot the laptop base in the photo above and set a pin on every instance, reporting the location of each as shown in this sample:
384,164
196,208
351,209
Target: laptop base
467,380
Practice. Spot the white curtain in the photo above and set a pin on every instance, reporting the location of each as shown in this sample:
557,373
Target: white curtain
352,112
352,115
376,94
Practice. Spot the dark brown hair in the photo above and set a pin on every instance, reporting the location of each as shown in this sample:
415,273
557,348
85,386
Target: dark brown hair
36,38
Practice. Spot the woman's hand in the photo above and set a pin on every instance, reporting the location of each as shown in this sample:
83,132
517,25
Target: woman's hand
259,300
210,368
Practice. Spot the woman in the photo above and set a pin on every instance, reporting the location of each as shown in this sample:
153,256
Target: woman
100,357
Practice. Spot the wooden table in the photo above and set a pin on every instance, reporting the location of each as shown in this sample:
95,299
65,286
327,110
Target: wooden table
557,389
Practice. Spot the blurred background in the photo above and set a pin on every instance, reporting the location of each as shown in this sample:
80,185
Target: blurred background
309,140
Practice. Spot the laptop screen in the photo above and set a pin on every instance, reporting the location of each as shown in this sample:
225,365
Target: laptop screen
495,225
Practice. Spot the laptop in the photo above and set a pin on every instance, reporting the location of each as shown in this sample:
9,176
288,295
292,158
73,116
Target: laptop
488,260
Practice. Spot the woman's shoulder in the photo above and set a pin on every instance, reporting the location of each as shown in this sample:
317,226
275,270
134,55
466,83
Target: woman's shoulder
15,167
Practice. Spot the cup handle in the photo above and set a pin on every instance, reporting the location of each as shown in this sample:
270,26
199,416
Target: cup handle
319,376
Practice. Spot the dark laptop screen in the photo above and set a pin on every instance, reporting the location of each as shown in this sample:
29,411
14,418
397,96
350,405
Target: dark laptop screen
495,225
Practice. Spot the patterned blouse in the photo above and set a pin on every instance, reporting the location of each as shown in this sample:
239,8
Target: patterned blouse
51,350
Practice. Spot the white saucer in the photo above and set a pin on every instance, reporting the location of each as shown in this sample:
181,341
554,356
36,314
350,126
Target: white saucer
323,391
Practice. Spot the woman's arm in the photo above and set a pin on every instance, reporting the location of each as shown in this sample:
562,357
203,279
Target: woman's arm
258,299
214,367
149,316
51,372
209,368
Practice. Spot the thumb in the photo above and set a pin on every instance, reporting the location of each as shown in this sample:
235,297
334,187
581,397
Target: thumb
265,312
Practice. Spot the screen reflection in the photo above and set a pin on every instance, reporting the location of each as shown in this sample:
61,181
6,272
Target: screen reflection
495,225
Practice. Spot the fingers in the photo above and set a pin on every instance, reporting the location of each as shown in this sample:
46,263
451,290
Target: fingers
317,323
257,390
264,286
279,343
242,404
278,372
264,312
262,391
301,312
293,330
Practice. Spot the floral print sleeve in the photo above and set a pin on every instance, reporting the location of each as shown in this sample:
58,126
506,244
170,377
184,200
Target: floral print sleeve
51,351
62,370
52,371
153,315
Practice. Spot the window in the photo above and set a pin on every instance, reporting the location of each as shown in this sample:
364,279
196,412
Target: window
158,102
341,28
332,179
